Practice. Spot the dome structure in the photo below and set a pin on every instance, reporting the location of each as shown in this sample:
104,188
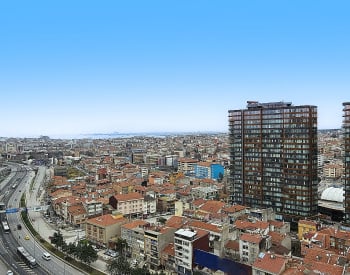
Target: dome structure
333,194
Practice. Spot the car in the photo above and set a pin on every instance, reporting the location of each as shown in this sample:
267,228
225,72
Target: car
46,256
112,253
27,237
9,272
19,226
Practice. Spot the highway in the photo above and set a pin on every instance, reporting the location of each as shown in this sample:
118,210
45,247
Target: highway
22,177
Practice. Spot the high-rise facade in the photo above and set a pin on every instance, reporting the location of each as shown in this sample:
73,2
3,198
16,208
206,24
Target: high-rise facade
273,153
346,137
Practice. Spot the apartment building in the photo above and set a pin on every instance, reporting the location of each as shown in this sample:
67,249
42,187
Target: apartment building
269,263
187,166
306,226
251,245
168,258
100,230
274,158
333,170
128,204
93,207
133,232
218,234
156,239
150,205
76,215
346,133
208,193
209,170
186,241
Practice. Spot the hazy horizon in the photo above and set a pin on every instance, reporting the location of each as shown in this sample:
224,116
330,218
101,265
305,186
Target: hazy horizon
77,67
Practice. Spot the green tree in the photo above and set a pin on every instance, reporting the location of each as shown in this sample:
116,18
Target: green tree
119,266
64,247
121,246
140,271
57,239
78,250
88,254
71,249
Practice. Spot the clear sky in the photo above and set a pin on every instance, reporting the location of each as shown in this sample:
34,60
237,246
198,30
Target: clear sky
77,67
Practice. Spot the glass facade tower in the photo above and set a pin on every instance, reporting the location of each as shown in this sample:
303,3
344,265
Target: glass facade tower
346,136
273,154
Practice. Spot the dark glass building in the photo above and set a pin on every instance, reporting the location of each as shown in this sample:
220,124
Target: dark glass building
273,153
346,136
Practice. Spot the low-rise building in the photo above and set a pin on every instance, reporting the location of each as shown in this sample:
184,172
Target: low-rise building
76,215
250,245
305,226
269,264
128,204
101,229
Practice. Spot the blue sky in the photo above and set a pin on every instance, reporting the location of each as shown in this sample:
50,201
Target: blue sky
77,67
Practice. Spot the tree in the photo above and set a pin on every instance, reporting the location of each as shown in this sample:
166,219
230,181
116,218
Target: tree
57,239
64,247
71,249
121,246
88,254
140,271
119,266
83,251
78,250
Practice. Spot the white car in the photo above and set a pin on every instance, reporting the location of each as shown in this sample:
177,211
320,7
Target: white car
46,256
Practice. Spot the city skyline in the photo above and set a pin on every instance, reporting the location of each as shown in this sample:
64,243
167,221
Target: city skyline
71,68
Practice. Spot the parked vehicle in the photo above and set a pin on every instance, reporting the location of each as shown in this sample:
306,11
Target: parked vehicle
112,253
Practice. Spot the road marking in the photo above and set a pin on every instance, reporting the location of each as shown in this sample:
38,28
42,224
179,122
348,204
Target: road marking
26,268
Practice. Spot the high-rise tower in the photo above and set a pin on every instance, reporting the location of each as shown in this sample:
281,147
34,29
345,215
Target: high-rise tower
273,153
346,136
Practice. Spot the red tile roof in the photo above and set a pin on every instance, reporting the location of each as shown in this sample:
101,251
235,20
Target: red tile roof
198,202
212,206
234,208
251,238
233,245
107,220
205,226
270,263
129,197
76,210
276,237
135,224
175,222
276,224
247,225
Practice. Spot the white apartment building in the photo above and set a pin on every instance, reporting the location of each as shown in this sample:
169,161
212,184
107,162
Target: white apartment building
186,240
